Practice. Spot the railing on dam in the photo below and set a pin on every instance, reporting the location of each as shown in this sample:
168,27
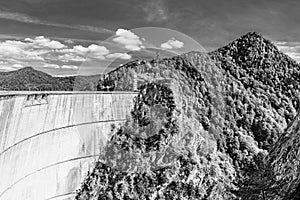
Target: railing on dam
23,93
49,140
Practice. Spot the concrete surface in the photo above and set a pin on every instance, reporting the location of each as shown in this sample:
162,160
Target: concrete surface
49,140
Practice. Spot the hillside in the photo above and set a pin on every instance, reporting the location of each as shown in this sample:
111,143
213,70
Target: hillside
202,126
282,177
278,177
30,79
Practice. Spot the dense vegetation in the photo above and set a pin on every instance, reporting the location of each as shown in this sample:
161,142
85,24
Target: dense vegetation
30,79
204,126
231,107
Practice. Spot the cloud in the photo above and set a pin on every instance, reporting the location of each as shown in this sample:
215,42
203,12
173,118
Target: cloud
92,29
292,49
55,66
172,44
79,49
65,75
92,51
97,51
28,52
20,17
123,56
19,50
69,67
6,68
129,39
41,41
79,52
43,52
18,66
294,55
70,57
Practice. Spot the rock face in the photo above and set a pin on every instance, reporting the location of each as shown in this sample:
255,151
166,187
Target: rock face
283,168
201,126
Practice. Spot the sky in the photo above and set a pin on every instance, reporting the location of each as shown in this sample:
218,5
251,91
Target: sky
69,37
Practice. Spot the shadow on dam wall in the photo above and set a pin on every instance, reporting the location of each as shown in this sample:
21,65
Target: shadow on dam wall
49,140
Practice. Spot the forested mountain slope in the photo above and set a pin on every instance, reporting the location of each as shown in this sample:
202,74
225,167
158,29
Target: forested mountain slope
202,126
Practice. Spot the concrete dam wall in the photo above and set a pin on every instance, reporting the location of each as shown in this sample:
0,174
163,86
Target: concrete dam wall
49,140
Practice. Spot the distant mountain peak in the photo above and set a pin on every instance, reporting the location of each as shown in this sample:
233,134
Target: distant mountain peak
27,69
257,57
250,47
253,34
251,41
255,37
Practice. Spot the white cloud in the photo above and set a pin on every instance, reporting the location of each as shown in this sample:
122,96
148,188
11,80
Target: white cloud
280,43
93,51
129,39
294,55
97,51
55,66
292,49
19,50
80,49
65,75
123,56
6,68
20,17
70,57
172,44
92,29
43,52
17,66
41,41
69,41
69,67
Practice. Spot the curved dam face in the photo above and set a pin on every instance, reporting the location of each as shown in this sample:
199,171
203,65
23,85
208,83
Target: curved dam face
49,140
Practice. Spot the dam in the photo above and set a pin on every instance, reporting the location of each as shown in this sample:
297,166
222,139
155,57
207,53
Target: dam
49,140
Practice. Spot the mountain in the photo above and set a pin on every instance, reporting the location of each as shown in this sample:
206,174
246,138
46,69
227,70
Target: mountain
254,56
30,79
204,126
265,71
282,177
